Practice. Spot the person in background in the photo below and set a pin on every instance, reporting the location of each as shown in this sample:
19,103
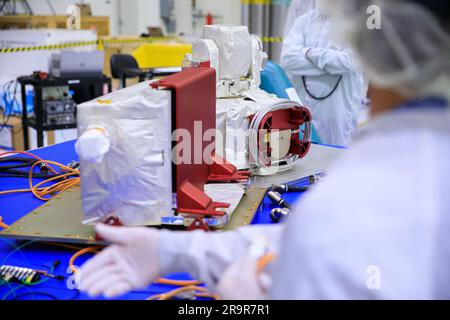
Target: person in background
326,76
296,9
375,228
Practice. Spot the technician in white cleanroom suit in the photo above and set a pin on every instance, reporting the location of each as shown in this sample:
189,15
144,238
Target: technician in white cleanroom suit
326,77
296,9
376,227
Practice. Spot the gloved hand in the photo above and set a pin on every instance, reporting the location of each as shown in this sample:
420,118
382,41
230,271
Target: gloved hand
241,281
131,262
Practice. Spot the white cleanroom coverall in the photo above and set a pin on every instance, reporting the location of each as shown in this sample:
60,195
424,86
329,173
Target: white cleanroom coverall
207,255
376,227
309,56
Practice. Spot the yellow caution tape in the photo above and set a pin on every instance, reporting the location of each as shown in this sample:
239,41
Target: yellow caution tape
272,39
140,40
101,43
49,47
257,2
266,2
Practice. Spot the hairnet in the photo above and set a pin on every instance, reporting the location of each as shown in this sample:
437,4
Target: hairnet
297,8
410,51
303,6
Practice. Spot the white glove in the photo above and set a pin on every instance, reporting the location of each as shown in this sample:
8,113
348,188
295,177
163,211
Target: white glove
92,145
131,262
242,282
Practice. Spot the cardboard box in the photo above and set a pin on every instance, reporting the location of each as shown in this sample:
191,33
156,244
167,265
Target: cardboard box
85,9
11,137
16,64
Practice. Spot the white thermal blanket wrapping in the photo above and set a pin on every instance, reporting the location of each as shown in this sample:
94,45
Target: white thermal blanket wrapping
232,122
235,49
132,180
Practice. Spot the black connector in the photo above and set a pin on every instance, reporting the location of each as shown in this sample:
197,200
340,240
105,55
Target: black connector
56,264
276,198
315,178
44,168
285,188
277,214
73,165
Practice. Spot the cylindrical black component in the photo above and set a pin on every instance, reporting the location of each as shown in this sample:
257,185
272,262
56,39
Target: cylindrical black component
44,168
285,188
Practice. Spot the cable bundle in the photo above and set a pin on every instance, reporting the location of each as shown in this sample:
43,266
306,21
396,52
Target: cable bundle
187,286
61,181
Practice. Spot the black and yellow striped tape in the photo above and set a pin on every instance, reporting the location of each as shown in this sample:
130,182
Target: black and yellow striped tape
272,39
266,2
49,47
140,40
257,2
101,43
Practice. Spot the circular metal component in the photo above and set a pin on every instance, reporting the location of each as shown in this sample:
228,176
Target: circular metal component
278,213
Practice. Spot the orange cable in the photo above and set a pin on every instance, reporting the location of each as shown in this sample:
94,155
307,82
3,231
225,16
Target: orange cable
186,285
61,186
2,224
58,187
20,152
264,261
170,294
14,191
208,295
24,153
180,283
63,245
80,253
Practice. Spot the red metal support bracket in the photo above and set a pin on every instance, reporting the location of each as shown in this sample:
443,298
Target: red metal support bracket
110,221
221,170
198,224
192,200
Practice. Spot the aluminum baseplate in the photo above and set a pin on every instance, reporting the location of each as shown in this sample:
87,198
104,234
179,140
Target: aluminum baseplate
59,220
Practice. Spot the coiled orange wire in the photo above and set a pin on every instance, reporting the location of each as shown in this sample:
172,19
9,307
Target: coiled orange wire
70,178
46,193
186,285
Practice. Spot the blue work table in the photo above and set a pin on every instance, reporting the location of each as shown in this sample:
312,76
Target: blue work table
41,256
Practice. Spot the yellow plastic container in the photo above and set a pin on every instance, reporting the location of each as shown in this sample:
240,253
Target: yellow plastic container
161,55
